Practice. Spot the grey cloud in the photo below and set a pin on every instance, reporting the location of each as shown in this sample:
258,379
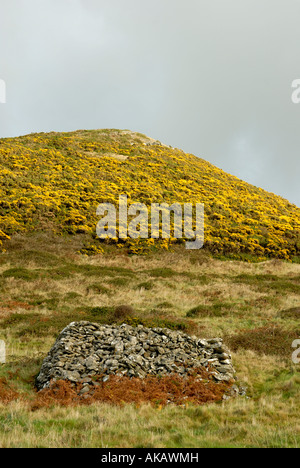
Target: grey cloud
208,76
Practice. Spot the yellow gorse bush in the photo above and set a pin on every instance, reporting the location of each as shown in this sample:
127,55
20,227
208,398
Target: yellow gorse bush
56,181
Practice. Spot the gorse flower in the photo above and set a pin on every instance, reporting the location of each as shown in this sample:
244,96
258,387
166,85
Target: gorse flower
56,181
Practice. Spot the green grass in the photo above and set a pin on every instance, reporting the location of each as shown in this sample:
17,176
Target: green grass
20,273
219,309
254,308
266,282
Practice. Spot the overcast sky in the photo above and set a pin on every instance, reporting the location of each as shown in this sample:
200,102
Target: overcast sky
212,77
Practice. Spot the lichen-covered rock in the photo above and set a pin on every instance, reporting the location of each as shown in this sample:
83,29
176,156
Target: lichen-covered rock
85,349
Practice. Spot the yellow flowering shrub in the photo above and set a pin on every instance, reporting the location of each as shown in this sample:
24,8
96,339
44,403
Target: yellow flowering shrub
56,181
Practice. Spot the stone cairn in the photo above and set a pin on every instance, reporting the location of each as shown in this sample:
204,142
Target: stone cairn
85,349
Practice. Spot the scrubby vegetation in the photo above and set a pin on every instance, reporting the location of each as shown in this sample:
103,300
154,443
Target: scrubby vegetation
56,181
253,307
53,270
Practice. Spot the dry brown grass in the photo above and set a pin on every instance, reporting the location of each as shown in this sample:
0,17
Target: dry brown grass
7,394
198,388
270,340
34,311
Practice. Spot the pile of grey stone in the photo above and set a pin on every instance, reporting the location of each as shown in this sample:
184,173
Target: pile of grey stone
85,349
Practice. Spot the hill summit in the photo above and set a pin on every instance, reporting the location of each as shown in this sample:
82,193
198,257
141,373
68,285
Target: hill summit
55,181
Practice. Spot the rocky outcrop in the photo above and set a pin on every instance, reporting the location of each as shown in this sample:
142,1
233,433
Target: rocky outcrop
85,349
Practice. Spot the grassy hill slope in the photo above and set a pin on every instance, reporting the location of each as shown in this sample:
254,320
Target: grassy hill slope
253,307
51,185
54,183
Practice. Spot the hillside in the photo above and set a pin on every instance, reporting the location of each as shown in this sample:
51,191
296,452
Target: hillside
253,307
54,183
51,185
